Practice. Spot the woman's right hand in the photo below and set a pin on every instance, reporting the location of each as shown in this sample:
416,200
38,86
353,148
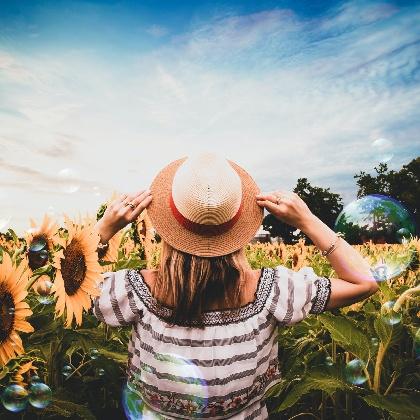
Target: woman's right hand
291,209
119,213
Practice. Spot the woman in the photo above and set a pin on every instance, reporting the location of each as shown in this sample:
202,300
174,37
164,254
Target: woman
204,325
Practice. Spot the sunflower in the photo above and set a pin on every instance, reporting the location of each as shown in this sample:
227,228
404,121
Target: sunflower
78,271
13,310
40,241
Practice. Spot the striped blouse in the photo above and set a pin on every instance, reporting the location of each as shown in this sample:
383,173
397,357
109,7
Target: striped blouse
223,370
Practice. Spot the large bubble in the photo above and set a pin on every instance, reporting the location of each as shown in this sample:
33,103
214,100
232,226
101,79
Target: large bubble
383,221
355,372
15,398
39,395
383,150
179,369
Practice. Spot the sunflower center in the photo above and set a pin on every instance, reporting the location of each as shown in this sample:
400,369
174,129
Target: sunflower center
38,252
73,267
7,313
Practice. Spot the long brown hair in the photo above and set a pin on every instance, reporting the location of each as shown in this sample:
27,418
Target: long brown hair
192,284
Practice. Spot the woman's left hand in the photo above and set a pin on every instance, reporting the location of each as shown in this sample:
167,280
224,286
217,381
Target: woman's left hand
121,212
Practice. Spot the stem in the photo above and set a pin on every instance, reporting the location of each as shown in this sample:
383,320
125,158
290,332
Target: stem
404,296
303,414
378,368
394,379
78,369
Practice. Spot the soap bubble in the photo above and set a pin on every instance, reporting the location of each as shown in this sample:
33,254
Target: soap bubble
51,211
38,244
381,220
403,235
96,191
94,353
67,371
354,372
329,361
390,316
100,372
134,407
43,289
383,150
15,398
38,253
35,378
180,370
374,341
69,180
39,395
4,221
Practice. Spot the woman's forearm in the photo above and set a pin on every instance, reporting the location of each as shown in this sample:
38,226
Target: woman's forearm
348,263
104,232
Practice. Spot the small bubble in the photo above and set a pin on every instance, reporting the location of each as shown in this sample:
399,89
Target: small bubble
67,371
374,341
94,353
4,221
69,180
34,379
354,372
329,361
11,310
390,316
383,150
40,395
15,398
100,372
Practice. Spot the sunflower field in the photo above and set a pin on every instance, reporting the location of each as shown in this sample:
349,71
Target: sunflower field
58,361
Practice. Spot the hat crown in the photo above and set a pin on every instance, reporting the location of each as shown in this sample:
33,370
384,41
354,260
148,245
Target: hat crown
207,190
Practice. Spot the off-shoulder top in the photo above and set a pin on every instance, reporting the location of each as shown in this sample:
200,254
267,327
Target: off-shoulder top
222,370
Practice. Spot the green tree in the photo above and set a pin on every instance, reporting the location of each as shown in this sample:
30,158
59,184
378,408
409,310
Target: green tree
321,201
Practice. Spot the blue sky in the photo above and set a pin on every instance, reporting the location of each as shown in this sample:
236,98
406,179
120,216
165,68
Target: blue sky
96,97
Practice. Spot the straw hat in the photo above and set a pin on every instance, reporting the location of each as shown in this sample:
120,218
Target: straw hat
205,205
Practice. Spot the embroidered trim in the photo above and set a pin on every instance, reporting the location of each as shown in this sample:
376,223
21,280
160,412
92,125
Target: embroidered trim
187,406
322,296
209,318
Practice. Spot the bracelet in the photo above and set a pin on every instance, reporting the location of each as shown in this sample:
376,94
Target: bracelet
331,248
102,249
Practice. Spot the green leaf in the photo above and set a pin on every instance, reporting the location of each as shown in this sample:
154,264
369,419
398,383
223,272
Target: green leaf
388,334
14,236
400,406
347,334
318,380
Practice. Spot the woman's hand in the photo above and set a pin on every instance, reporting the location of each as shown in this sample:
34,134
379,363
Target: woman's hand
121,212
290,209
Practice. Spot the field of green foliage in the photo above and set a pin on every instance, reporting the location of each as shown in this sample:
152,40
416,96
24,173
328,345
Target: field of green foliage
358,362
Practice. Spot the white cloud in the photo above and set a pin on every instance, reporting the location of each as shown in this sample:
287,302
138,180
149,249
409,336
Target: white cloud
281,96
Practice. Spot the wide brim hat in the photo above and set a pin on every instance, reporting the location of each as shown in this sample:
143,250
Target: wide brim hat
170,210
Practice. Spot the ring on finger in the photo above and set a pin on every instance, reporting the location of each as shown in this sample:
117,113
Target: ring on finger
130,203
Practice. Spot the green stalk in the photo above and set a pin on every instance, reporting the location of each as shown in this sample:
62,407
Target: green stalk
378,367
